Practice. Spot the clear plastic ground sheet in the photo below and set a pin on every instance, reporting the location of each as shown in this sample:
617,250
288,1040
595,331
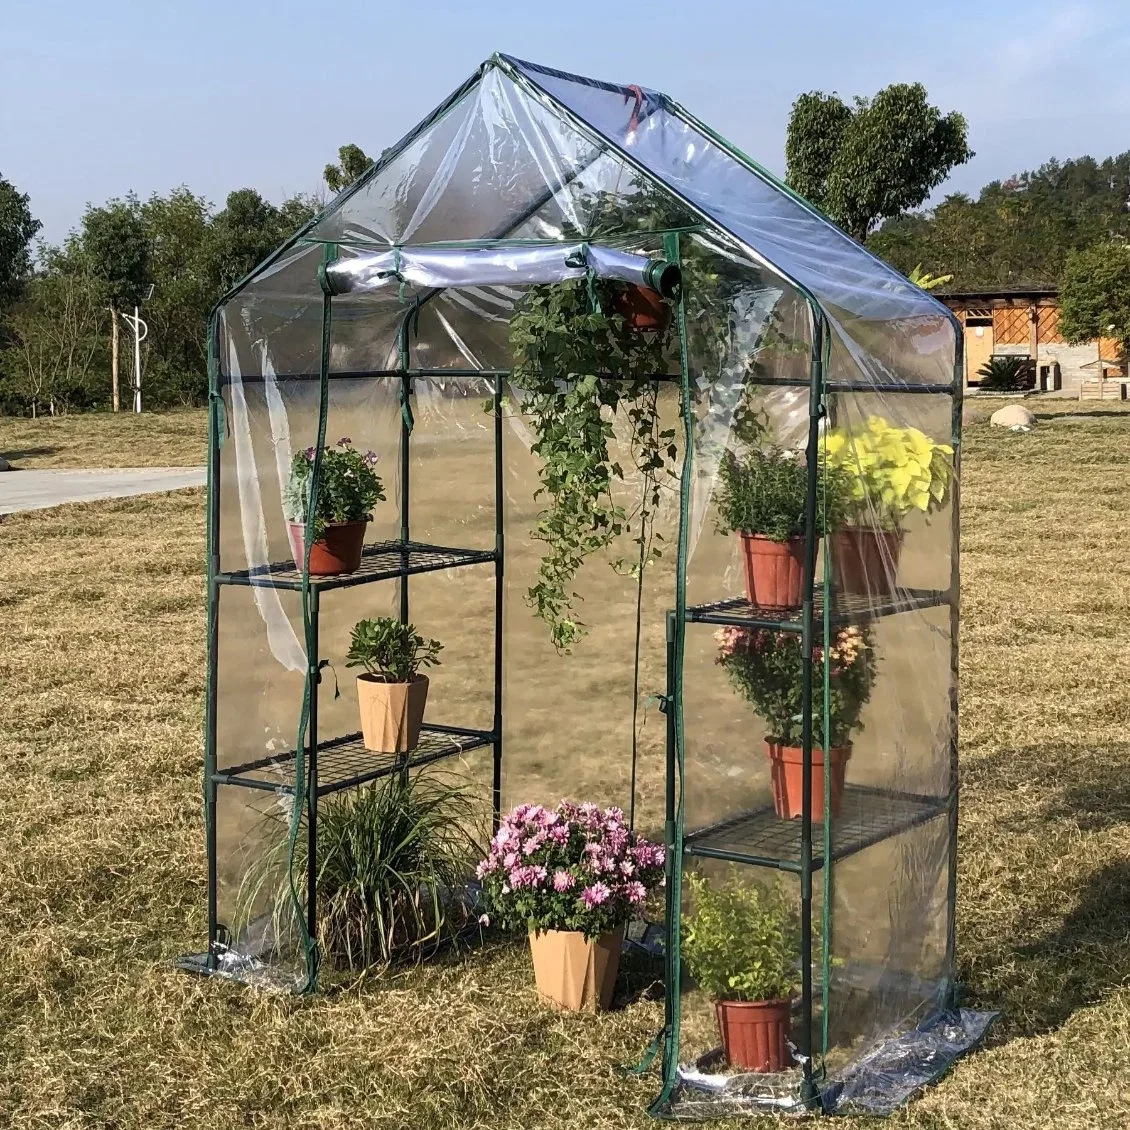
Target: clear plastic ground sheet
389,323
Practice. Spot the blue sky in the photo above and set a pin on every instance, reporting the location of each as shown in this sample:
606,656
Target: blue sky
97,100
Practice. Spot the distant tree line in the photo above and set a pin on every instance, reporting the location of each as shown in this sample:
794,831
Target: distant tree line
63,344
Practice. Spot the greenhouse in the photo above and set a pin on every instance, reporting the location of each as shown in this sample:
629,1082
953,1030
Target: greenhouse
655,472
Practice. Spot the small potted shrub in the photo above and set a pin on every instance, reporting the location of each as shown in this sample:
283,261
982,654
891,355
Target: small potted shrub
889,473
762,499
572,877
740,944
391,694
350,487
766,668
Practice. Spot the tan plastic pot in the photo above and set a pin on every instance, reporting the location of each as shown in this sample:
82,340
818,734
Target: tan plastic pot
865,562
755,1033
774,571
571,972
787,770
338,552
391,713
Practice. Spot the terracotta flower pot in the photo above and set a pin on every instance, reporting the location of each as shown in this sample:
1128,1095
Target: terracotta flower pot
755,1033
391,713
571,972
774,571
864,561
642,308
339,551
787,765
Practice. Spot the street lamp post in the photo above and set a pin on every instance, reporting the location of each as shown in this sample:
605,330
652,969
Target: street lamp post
140,332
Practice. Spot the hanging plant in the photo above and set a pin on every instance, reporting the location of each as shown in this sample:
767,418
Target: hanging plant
580,370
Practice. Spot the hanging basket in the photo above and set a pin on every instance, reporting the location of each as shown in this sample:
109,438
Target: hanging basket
642,308
787,767
338,551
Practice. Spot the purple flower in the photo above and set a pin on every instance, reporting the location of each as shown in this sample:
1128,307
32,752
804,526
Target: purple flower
635,891
627,868
563,880
370,458
509,860
309,453
595,895
345,441
484,919
559,833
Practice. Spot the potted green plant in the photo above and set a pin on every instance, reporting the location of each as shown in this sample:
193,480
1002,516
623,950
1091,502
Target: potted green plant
572,877
394,860
349,489
391,693
762,499
767,669
889,472
740,944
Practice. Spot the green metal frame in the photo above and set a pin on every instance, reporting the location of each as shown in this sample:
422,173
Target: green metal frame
820,385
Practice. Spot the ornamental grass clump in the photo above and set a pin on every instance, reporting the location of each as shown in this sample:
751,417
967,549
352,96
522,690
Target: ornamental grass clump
576,867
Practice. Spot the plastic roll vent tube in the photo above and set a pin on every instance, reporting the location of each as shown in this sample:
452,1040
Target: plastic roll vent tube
437,268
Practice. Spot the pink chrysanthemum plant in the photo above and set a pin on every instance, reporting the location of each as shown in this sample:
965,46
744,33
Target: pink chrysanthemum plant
574,867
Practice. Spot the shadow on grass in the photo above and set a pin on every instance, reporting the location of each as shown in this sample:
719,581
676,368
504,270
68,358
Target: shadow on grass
1120,414
1067,945
26,453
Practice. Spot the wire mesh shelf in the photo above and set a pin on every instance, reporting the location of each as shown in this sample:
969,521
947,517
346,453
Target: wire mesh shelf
846,608
379,562
344,763
867,816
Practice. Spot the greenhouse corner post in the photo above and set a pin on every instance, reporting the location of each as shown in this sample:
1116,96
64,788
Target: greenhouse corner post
812,455
403,361
499,595
955,619
213,506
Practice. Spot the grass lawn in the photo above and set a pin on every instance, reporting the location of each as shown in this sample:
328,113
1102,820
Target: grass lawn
101,439
103,869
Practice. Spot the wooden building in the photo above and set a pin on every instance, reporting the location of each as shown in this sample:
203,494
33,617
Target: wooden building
1025,323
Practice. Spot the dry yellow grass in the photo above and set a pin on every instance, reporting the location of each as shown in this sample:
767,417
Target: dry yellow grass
102,875
153,439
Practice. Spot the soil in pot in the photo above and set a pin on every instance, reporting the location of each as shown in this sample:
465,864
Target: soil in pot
391,713
755,1034
787,771
642,308
865,562
574,973
338,551
774,571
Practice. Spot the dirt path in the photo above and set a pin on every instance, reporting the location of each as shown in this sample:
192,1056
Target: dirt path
37,490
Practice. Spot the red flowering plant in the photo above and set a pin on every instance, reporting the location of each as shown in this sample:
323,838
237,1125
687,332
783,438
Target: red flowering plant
575,867
766,668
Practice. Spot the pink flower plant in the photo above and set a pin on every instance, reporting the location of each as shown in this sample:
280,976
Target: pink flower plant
575,867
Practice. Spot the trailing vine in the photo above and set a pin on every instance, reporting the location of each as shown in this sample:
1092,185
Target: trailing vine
580,371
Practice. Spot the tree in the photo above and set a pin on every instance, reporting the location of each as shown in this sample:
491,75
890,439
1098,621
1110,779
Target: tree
1095,295
116,253
351,163
17,229
875,160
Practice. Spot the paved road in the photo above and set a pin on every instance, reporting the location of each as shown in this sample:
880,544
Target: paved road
36,490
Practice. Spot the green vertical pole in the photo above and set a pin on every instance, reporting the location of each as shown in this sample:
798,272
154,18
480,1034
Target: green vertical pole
815,412
955,620
499,601
312,779
828,868
676,737
403,361
212,688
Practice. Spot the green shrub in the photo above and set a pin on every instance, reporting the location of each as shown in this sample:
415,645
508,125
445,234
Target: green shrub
349,489
1008,374
394,651
741,940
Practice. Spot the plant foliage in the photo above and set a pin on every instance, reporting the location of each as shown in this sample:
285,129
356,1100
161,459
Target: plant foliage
741,940
889,471
393,651
575,867
349,489
764,492
393,858
1008,374
767,669
1095,296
